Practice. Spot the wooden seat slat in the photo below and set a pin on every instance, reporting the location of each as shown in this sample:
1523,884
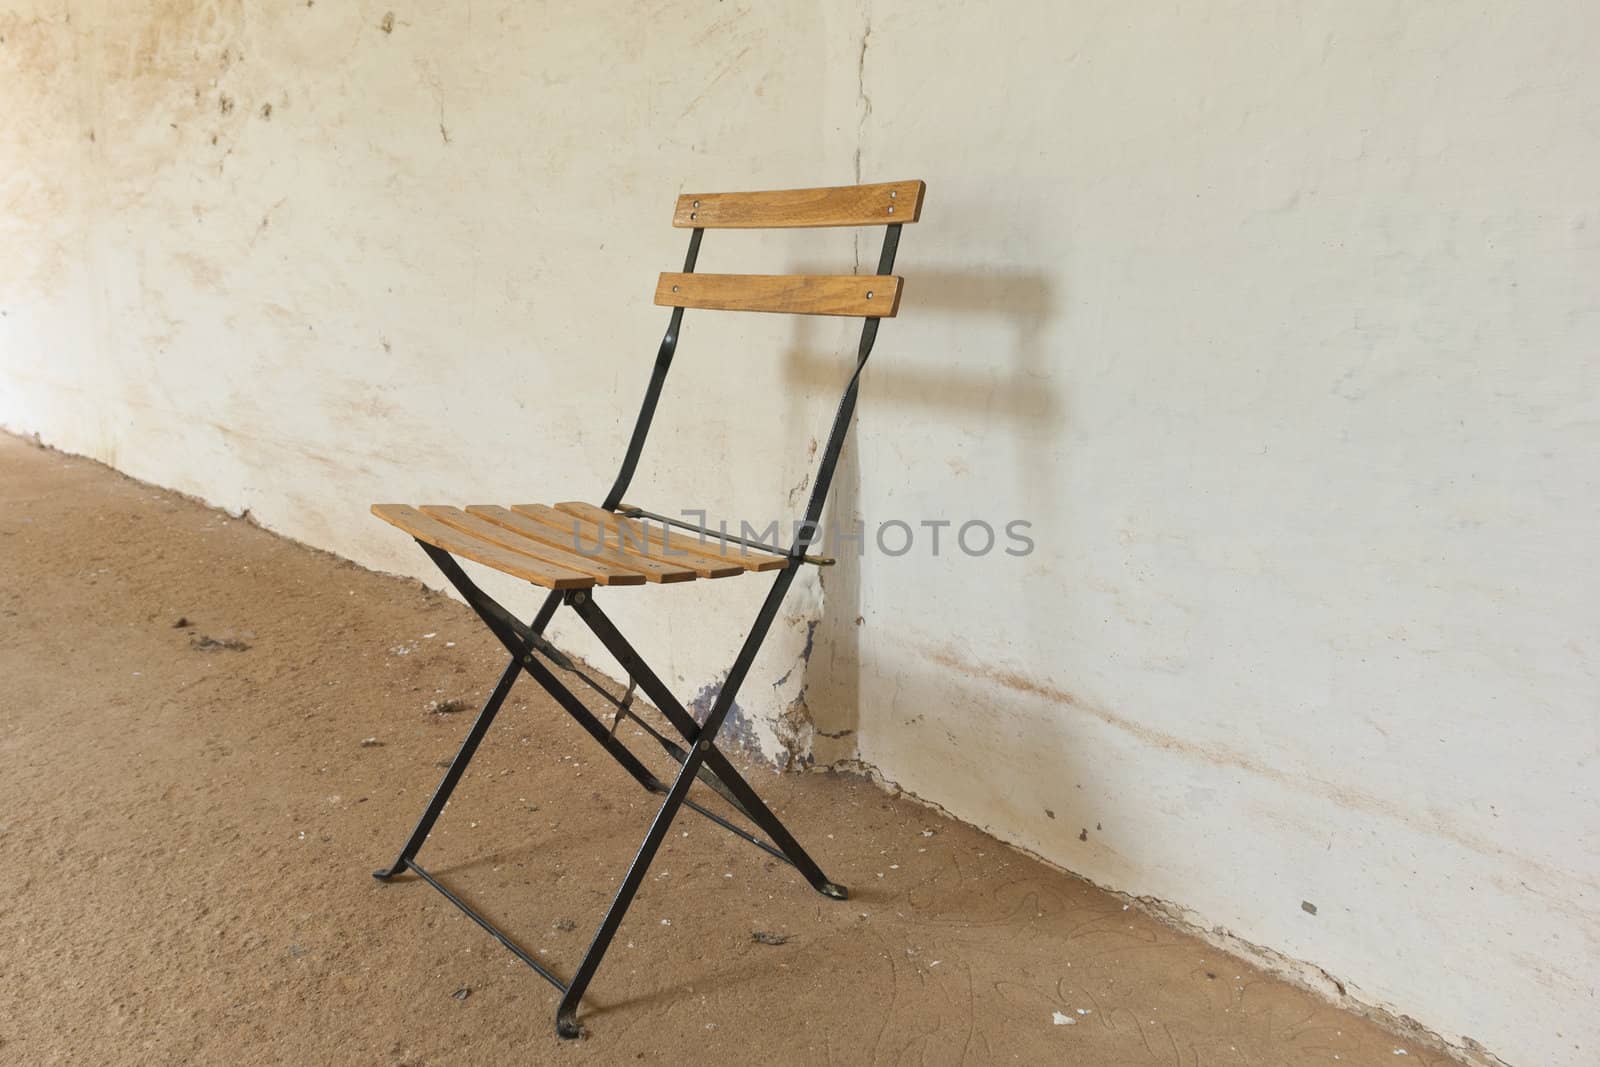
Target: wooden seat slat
431,531
682,545
631,542
475,526
568,535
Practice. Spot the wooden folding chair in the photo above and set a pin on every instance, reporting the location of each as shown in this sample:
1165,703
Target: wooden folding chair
571,548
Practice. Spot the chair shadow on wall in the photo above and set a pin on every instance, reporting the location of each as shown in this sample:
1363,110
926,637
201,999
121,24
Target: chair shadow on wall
1009,389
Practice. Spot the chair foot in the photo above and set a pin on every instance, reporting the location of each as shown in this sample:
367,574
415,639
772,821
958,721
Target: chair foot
837,892
567,1024
389,872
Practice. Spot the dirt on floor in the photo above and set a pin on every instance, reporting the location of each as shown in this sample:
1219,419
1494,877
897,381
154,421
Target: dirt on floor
209,736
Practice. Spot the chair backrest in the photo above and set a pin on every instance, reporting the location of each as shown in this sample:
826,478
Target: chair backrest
866,296
870,297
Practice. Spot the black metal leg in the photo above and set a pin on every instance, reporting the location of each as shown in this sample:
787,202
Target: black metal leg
749,802
703,745
567,1013
702,758
520,641
458,767
765,818
593,726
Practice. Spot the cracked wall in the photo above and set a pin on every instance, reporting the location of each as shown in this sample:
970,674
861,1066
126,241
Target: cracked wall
1277,324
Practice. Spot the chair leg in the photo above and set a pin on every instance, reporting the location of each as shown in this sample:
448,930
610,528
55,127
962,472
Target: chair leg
567,1014
765,818
520,641
458,767
719,765
702,756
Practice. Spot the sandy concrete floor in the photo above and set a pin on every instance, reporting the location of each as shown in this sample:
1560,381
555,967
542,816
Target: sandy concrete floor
186,835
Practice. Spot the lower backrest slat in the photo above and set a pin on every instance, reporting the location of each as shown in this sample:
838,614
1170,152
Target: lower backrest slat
864,295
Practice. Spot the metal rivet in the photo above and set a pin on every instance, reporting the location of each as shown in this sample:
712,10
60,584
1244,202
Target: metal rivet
869,294
692,214
891,209
674,288
893,194
705,746
697,203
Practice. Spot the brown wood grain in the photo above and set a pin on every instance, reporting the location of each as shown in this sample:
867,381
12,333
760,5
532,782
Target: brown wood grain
867,295
569,532
630,540
683,546
427,529
843,205
484,530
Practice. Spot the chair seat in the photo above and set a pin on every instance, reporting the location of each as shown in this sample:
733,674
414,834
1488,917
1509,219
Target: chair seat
574,545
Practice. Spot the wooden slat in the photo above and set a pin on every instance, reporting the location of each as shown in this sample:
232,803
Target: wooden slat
867,295
566,536
844,205
432,531
693,550
633,538
751,559
605,573
682,544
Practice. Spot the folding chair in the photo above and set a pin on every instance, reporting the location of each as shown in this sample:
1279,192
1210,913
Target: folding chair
571,548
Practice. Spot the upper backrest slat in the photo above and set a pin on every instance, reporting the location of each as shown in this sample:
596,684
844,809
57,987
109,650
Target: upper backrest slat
844,205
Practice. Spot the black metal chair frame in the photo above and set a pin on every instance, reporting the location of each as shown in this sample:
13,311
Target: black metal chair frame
697,756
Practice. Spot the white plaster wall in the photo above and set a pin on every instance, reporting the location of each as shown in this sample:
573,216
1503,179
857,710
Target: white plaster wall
1278,321
299,258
